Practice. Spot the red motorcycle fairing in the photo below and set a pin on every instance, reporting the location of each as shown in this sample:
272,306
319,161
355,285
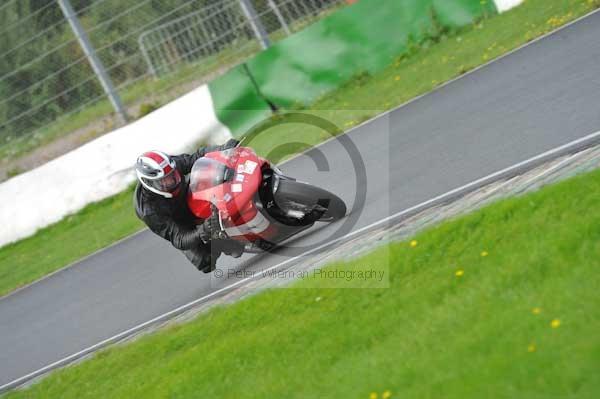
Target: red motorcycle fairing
230,180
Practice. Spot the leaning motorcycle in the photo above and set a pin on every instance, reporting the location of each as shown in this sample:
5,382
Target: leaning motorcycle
253,203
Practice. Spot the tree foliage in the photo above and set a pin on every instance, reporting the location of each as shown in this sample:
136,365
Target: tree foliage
43,70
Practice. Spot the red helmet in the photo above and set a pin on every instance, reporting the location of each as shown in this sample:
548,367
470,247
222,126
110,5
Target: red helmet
157,172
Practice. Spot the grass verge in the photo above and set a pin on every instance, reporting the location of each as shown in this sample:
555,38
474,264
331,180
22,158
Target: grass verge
351,104
501,303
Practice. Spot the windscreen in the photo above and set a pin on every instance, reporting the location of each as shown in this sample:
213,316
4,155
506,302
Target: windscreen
207,173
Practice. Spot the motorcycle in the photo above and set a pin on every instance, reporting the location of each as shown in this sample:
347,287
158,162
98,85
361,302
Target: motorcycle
252,203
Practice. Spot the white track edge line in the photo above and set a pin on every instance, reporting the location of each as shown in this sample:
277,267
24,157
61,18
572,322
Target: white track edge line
541,174
571,146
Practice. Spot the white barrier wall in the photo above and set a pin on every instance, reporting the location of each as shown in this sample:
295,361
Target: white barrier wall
103,167
505,5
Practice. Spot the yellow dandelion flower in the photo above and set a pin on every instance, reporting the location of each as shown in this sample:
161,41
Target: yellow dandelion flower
397,78
555,323
373,395
386,395
414,243
531,348
536,310
459,273
484,253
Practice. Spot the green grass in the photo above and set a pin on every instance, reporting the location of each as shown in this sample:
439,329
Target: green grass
358,100
485,334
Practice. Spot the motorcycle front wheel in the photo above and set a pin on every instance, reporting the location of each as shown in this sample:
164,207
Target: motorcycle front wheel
297,198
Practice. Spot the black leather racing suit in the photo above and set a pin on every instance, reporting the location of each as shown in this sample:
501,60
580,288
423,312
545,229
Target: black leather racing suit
171,218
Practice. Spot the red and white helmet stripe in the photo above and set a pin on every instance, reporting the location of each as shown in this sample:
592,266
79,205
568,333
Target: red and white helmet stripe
153,166
160,161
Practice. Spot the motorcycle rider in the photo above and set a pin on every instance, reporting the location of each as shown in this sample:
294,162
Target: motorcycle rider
160,202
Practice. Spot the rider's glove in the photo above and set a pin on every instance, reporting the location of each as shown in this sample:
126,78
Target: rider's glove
213,226
203,233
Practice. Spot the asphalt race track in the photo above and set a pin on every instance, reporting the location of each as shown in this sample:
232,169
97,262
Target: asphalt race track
540,97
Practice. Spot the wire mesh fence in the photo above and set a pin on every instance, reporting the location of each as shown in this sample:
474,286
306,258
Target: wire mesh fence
150,49
223,30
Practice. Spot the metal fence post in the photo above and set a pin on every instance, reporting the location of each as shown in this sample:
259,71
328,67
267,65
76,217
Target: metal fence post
259,30
280,18
90,53
146,56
